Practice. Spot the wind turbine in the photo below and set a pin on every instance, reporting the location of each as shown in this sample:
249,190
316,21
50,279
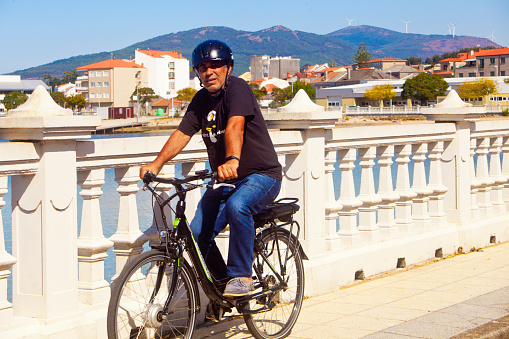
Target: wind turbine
349,21
453,30
492,36
406,25
450,29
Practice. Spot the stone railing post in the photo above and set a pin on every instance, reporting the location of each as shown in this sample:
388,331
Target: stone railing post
45,278
497,195
367,212
456,156
6,261
483,177
436,202
420,211
92,245
128,239
332,206
386,223
474,184
308,167
505,170
406,224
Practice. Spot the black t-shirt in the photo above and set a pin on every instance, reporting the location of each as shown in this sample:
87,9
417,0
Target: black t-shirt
210,115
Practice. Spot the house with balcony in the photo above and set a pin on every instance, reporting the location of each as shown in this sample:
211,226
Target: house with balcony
168,71
110,83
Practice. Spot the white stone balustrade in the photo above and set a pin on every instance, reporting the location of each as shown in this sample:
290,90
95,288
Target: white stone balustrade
59,280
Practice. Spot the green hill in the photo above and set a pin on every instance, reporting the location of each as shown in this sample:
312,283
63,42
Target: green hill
310,48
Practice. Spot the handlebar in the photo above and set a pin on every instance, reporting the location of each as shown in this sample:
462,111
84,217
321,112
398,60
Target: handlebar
199,175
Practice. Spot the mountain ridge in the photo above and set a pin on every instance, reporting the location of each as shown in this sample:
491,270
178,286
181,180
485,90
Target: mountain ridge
311,48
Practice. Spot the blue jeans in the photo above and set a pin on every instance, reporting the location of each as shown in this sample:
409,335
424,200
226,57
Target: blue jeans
236,207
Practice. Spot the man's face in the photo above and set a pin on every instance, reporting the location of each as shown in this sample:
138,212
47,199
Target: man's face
213,75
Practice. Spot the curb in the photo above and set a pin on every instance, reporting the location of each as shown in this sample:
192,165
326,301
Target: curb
496,329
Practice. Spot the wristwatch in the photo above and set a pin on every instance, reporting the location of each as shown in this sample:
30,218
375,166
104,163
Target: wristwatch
231,157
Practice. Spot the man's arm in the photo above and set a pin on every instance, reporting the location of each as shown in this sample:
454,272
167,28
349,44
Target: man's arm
234,137
176,143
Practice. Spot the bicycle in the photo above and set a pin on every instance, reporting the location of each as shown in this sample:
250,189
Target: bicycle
156,295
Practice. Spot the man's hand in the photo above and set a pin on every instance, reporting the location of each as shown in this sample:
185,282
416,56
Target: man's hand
149,168
228,170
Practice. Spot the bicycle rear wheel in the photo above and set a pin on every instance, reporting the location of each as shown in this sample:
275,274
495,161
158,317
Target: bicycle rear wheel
135,303
284,306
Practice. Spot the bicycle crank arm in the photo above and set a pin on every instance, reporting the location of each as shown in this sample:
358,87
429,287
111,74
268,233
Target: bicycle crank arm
264,308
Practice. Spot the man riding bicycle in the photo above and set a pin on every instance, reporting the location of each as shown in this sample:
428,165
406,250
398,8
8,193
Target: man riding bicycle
240,150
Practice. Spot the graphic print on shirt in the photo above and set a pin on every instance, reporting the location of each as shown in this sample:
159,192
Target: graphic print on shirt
212,127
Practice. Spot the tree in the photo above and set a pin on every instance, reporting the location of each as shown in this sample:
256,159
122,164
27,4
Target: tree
332,63
424,87
75,101
292,90
362,56
51,80
258,92
186,94
413,60
13,99
70,76
59,98
380,92
145,94
477,88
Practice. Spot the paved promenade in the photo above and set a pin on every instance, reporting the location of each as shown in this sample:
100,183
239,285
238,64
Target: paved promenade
464,296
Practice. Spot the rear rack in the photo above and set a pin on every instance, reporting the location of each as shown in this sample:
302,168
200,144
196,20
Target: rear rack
282,209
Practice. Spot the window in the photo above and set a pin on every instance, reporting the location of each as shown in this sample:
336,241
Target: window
99,84
92,73
481,74
106,84
98,74
171,65
171,85
502,73
106,73
492,74
99,95
92,84
106,95
171,75
481,63
445,67
461,75
492,61
92,95
471,75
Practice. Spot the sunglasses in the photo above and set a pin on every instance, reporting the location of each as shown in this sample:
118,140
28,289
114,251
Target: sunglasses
202,68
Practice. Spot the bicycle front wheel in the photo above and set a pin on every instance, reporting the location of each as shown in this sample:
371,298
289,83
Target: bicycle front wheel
136,302
283,307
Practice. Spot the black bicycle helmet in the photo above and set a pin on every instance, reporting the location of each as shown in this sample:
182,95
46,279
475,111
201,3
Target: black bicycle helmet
211,50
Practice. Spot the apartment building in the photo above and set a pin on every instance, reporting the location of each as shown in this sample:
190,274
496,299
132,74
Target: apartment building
10,83
110,83
168,71
383,64
483,63
279,67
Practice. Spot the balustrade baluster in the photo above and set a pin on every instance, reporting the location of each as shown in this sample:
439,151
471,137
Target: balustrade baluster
404,220
482,175
348,232
474,183
436,199
505,170
93,289
167,171
367,212
332,207
193,197
6,261
420,212
128,240
386,223
497,197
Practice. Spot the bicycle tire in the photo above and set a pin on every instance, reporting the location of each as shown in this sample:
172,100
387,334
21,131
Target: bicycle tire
277,322
130,313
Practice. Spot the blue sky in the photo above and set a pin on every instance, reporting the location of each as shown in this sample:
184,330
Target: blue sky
35,32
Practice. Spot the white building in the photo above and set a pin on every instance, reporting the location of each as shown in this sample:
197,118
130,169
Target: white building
67,89
168,71
10,83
